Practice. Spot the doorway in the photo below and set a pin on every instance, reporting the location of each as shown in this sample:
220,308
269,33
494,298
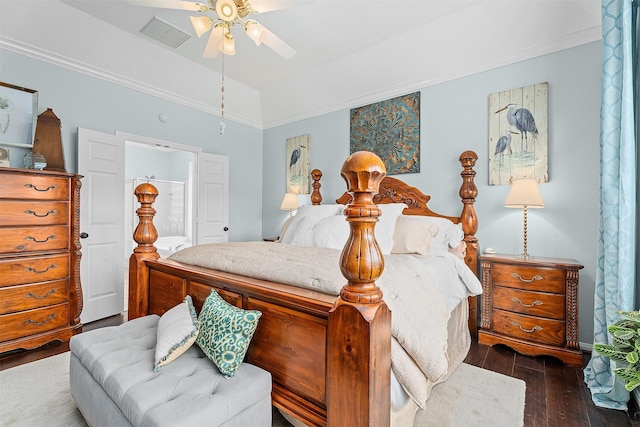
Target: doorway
171,169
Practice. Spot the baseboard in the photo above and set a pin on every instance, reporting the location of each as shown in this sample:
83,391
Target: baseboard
634,405
586,347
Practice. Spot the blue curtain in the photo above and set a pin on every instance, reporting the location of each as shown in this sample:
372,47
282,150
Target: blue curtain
615,273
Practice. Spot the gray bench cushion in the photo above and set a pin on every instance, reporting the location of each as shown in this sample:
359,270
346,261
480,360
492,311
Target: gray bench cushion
188,391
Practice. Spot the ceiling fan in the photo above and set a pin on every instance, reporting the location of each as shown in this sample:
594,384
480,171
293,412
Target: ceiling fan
228,13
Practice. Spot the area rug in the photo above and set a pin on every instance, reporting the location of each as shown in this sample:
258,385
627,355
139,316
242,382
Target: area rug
476,397
37,394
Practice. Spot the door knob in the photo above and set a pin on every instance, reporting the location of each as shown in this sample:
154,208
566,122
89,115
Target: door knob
226,229
84,235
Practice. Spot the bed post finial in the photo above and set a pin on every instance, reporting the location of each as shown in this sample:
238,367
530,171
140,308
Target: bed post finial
361,262
145,236
316,197
359,342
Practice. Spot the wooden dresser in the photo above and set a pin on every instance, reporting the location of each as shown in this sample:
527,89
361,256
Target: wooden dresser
40,293
531,305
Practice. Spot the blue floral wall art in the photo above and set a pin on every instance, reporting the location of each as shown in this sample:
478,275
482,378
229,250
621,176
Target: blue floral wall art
390,129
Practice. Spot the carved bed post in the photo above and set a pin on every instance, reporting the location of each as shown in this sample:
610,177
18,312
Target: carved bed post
145,236
468,193
316,197
359,342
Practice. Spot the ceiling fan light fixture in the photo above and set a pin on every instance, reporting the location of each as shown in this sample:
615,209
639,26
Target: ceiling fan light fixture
255,31
201,24
227,10
228,44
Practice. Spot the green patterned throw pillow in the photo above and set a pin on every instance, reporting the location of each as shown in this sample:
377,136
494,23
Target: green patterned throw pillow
225,332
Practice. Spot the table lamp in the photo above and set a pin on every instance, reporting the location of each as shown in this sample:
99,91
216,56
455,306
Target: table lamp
290,203
524,194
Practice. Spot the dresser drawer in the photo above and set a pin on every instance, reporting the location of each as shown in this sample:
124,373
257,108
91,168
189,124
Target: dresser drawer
533,329
27,297
529,302
33,213
33,187
33,270
530,278
29,239
31,322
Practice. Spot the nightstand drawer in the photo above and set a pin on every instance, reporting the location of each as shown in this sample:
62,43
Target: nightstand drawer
534,329
530,303
528,277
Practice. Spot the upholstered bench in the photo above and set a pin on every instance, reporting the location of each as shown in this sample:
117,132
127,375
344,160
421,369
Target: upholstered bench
114,384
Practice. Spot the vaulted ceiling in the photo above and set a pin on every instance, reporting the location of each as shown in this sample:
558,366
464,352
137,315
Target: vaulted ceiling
349,52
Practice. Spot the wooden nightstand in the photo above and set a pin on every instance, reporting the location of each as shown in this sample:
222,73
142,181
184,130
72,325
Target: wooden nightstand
531,305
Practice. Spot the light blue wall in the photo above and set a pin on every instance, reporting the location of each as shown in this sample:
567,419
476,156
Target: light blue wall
83,101
454,118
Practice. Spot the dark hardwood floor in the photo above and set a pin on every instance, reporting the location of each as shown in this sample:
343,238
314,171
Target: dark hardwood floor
556,394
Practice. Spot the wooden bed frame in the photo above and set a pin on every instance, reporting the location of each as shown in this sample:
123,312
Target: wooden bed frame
329,356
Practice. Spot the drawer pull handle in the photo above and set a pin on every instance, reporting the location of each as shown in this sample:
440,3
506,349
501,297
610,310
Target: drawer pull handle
34,322
529,331
536,302
51,187
34,296
52,211
40,241
533,279
33,270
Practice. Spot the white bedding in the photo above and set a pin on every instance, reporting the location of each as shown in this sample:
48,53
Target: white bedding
419,291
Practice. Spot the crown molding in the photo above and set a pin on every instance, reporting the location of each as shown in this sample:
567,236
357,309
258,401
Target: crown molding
139,86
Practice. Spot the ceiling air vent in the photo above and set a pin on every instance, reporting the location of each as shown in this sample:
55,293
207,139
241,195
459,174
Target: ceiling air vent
165,33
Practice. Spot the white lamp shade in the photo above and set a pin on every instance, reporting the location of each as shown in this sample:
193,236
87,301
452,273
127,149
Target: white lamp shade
289,202
255,31
228,44
524,192
201,24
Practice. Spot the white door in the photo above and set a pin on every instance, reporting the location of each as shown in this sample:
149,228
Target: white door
213,199
101,162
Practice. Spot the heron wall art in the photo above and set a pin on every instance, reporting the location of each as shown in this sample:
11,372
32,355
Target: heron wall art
298,164
518,137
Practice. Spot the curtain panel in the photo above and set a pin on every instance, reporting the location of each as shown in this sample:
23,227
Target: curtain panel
616,263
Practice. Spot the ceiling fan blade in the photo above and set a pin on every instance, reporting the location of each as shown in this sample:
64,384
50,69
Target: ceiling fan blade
278,45
171,4
262,6
211,50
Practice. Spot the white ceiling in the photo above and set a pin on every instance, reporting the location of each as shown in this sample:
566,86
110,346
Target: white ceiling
349,52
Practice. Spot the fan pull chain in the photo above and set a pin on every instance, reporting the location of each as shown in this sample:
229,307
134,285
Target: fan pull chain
222,122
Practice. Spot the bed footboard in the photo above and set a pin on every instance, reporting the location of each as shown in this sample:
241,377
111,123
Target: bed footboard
329,357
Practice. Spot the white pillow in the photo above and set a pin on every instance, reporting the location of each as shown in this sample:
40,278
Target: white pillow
386,225
449,235
177,331
300,229
413,236
331,232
